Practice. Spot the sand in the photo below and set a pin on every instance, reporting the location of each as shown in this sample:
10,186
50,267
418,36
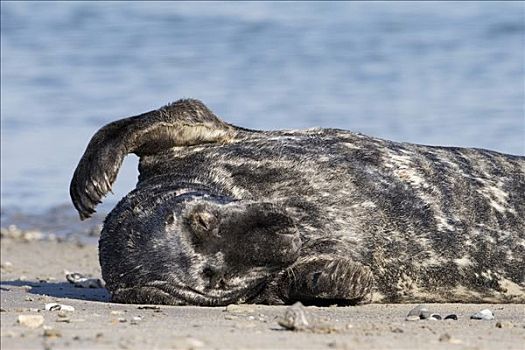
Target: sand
33,274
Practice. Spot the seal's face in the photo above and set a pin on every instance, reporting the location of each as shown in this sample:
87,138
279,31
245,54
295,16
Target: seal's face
204,250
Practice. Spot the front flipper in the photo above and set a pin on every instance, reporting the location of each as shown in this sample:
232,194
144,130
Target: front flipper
326,280
185,122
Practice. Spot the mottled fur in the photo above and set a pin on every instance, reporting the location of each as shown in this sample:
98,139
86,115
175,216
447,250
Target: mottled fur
223,214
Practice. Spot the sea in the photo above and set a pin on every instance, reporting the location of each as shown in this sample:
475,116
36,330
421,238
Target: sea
437,73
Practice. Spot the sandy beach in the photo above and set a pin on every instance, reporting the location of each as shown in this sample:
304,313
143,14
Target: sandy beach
33,275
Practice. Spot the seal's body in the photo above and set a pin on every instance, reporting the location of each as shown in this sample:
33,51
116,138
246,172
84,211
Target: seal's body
223,214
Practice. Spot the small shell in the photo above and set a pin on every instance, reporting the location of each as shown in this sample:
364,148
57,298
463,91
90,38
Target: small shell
412,318
148,307
75,277
485,314
59,307
82,281
420,312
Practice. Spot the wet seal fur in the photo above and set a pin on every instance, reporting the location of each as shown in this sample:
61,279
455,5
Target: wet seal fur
223,215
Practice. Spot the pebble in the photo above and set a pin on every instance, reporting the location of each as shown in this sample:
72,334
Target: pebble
52,333
504,324
420,312
451,317
117,312
58,307
240,308
485,314
14,232
412,318
445,337
82,281
416,311
136,319
435,317
295,318
31,321
28,299
6,265
148,307
46,279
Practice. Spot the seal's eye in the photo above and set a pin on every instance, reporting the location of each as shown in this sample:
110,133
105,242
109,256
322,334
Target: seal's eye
204,223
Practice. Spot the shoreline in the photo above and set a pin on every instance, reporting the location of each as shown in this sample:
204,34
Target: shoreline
33,274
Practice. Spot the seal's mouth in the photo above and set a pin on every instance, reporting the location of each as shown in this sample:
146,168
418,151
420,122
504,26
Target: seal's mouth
250,287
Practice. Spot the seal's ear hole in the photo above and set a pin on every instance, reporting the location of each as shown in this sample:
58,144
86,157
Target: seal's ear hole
204,223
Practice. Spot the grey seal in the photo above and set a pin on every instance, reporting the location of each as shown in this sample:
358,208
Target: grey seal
223,214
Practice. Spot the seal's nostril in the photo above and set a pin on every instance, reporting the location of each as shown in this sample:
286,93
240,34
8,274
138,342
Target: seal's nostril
170,219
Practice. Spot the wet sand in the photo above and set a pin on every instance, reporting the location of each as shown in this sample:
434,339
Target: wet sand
33,274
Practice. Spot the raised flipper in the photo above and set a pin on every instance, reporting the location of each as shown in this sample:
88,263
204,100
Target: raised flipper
185,122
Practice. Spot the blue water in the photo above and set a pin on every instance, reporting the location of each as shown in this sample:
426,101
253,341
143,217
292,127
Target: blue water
435,73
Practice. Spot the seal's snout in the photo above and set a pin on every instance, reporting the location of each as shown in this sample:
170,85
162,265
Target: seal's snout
274,222
269,215
248,233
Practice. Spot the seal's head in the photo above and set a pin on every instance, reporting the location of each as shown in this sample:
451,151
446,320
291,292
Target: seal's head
194,248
